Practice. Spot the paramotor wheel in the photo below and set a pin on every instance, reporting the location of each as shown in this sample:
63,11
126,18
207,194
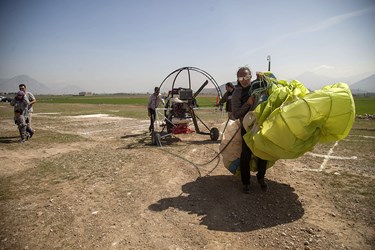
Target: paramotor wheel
214,134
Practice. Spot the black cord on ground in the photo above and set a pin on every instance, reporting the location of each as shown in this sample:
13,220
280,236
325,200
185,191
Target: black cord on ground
206,163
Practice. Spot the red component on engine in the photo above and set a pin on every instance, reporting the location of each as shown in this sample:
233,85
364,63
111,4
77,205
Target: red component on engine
181,129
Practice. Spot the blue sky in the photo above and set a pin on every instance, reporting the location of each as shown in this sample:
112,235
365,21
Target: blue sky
131,46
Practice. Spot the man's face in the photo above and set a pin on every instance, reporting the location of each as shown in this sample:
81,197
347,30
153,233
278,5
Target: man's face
22,88
244,78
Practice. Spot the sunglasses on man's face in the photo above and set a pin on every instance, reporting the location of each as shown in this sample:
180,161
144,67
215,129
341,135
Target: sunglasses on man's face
242,78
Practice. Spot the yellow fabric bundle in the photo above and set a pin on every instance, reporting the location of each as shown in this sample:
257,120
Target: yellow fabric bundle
300,122
290,122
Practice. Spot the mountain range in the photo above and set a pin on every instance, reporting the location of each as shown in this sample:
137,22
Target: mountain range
35,87
366,85
313,81
361,83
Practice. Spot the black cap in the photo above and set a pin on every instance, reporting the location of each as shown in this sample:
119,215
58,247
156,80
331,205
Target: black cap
229,84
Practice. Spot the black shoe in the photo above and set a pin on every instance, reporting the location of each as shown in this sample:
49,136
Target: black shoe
263,184
246,188
31,133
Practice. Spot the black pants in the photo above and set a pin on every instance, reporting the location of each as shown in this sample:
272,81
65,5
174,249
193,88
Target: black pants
152,119
245,162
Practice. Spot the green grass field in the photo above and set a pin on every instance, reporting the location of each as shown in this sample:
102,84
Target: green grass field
135,105
363,105
141,100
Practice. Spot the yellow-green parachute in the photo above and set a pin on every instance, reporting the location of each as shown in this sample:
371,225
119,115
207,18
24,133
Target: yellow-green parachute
292,120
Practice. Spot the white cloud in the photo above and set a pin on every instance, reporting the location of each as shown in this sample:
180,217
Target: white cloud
337,19
316,27
323,67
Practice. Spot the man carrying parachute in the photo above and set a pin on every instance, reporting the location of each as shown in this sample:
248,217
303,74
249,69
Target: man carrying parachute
288,121
242,102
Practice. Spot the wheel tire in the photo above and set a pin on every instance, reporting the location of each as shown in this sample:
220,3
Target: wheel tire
214,134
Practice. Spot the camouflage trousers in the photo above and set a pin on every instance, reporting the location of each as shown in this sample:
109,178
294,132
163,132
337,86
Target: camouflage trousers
23,127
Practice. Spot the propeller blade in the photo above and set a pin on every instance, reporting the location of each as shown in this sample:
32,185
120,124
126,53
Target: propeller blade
200,89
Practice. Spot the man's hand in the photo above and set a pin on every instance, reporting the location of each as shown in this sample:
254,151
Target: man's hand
251,100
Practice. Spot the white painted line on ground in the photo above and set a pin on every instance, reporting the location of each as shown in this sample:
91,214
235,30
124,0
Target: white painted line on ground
326,158
96,131
102,116
364,136
356,140
42,114
307,169
105,130
332,157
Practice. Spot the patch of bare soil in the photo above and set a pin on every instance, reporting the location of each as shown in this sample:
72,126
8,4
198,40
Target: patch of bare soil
112,189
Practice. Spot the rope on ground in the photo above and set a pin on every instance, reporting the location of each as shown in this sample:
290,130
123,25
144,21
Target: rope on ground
206,163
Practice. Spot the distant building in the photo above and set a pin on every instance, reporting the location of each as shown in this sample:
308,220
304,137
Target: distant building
85,93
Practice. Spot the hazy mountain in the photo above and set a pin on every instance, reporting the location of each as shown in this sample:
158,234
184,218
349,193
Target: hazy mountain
11,85
364,85
358,84
311,80
356,78
314,81
35,87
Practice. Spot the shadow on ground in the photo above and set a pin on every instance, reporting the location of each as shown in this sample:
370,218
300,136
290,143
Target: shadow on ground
9,139
126,136
222,206
144,140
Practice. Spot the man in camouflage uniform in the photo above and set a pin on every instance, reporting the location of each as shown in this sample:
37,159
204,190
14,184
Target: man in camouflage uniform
31,98
21,113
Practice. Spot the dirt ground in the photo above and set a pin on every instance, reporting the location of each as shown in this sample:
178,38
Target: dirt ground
96,182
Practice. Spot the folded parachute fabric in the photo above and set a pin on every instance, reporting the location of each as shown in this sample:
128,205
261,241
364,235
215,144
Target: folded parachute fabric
231,146
292,121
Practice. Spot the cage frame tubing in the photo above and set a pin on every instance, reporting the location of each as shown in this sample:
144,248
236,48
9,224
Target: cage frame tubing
209,77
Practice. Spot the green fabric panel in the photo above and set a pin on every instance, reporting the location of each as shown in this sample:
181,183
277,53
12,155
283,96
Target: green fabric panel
293,120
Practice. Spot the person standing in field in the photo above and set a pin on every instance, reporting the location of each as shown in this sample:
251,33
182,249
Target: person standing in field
242,103
153,102
32,100
227,99
21,113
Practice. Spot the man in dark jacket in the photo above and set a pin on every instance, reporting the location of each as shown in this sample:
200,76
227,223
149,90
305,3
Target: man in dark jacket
227,98
241,104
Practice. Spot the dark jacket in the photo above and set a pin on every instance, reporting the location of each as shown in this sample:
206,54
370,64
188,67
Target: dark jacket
227,98
239,106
